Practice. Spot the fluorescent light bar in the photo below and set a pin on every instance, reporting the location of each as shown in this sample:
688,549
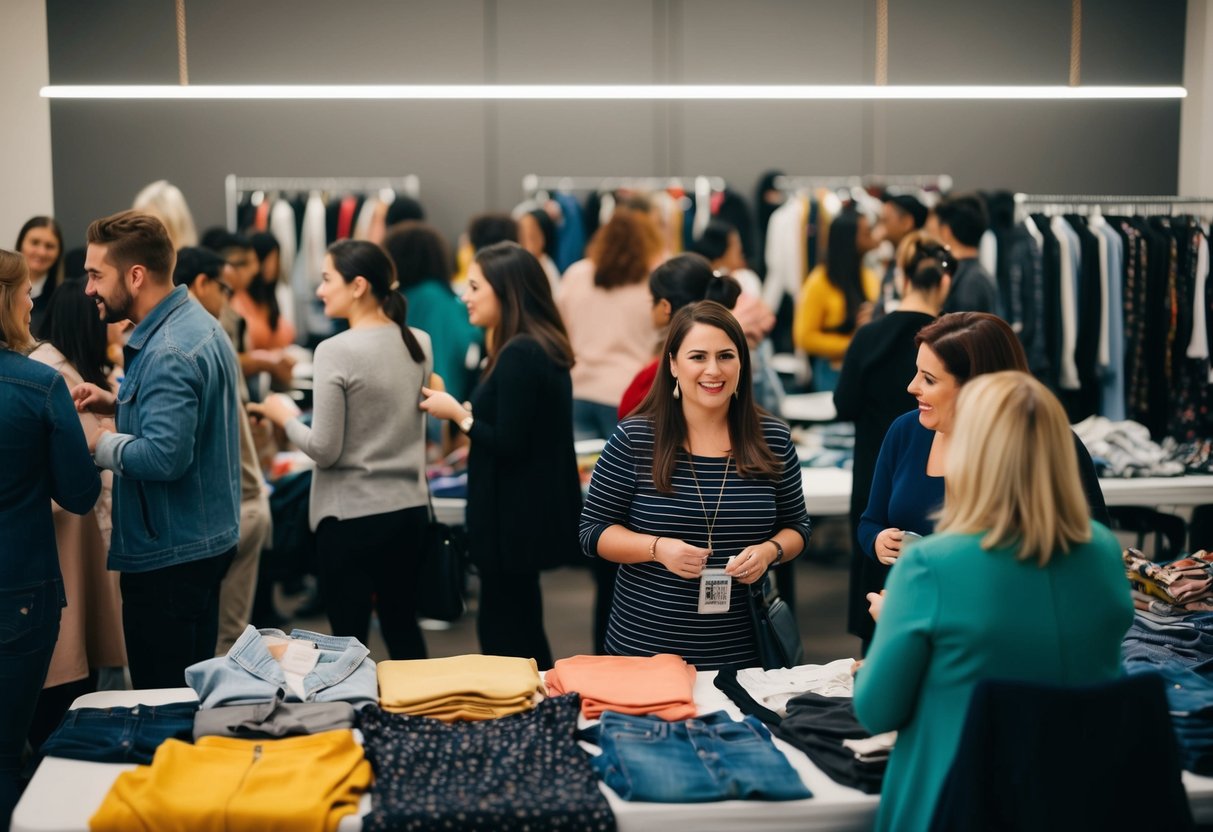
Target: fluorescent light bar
573,92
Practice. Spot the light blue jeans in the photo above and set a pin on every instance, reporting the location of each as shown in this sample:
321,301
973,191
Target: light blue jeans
710,757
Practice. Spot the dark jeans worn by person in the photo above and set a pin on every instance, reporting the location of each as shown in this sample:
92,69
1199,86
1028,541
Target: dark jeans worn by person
170,618
29,627
373,562
120,735
710,757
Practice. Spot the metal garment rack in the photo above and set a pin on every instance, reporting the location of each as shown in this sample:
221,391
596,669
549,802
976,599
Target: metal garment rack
236,186
533,183
935,181
1140,204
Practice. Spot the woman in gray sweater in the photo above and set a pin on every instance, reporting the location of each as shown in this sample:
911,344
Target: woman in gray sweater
369,492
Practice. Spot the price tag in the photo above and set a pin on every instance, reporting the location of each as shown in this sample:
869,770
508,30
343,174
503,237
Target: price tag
715,591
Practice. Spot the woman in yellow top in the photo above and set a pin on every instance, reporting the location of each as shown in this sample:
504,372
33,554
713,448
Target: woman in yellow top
836,298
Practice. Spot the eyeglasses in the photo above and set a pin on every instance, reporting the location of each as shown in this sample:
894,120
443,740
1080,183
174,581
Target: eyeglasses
226,288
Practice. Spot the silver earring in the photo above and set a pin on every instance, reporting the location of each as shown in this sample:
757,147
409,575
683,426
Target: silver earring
677,390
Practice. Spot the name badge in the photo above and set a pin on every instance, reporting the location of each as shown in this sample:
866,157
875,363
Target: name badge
715,591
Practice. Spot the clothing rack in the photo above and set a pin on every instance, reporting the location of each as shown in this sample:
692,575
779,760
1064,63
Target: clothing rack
236,186
1140,204
533,183
935,181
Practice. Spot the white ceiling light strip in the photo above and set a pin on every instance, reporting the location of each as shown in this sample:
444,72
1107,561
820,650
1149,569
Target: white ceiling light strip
612,92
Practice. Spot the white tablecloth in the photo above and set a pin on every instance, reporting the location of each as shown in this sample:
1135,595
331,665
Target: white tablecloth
64,793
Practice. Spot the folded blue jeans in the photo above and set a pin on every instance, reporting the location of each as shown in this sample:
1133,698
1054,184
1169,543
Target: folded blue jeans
120,735
710,757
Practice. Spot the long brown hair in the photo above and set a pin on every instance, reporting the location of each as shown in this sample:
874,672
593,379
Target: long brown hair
624,249
14,274
525,297
753,455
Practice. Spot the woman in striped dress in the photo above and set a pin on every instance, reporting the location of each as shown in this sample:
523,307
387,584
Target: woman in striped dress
696,496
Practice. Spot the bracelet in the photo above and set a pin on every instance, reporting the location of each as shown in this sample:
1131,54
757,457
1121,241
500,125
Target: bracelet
778,552
653,548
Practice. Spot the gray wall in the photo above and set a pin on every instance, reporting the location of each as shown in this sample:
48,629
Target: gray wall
471,156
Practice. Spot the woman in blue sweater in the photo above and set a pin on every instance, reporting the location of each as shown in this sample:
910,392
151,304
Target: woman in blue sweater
907,487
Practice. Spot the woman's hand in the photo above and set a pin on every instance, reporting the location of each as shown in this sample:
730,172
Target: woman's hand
888,546
875,604
442,405
752,562
278,408
681,558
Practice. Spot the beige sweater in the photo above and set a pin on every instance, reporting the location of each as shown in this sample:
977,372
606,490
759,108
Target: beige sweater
611,332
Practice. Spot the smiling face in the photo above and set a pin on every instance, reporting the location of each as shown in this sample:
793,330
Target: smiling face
337,295
707,367
107,285
935,389
40,248
484,307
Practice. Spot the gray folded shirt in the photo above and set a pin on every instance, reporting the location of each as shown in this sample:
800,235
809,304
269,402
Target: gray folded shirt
268,720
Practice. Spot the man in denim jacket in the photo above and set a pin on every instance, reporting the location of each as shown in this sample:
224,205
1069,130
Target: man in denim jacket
175,452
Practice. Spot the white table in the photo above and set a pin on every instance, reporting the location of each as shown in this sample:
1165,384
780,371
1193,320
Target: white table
64,794
43,807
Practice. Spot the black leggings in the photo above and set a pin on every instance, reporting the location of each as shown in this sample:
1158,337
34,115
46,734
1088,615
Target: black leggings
372,563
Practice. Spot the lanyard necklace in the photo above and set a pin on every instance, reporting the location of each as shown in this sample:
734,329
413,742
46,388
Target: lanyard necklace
719,497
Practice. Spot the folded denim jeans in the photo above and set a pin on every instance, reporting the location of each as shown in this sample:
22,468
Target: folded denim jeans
120,735
710,757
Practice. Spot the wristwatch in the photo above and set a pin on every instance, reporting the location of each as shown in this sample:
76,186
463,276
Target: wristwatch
465,424
778,552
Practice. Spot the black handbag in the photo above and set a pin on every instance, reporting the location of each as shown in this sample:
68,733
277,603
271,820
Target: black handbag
775,629
442,579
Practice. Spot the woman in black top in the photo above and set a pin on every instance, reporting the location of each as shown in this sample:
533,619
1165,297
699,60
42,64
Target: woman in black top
524,496
40,242
872,393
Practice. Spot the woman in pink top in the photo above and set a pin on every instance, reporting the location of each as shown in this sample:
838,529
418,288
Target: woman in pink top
605,303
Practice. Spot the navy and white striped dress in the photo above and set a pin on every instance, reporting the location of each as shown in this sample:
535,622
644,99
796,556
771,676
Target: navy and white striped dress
654,610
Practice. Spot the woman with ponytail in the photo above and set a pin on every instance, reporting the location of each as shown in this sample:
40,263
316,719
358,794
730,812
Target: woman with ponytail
369,492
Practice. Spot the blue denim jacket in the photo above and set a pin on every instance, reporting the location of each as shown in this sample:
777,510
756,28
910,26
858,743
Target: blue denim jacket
177,450
248,673
43,457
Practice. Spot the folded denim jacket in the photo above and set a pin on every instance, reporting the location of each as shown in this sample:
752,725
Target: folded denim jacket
249,674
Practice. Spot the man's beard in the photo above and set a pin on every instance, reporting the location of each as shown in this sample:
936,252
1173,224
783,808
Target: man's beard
119,310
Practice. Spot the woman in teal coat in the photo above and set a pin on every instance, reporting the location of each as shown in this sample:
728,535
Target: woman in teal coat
1017,583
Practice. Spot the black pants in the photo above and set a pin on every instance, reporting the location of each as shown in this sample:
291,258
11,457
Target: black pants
510,620
170,618
372,563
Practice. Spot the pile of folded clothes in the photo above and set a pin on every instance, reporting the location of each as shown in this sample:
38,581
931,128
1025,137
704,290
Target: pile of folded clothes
1184,585
270,737
1125,449
460,688
1179,648
661,685
810,708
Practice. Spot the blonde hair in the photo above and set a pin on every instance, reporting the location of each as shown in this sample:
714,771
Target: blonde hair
1012,470
14,274
167,203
